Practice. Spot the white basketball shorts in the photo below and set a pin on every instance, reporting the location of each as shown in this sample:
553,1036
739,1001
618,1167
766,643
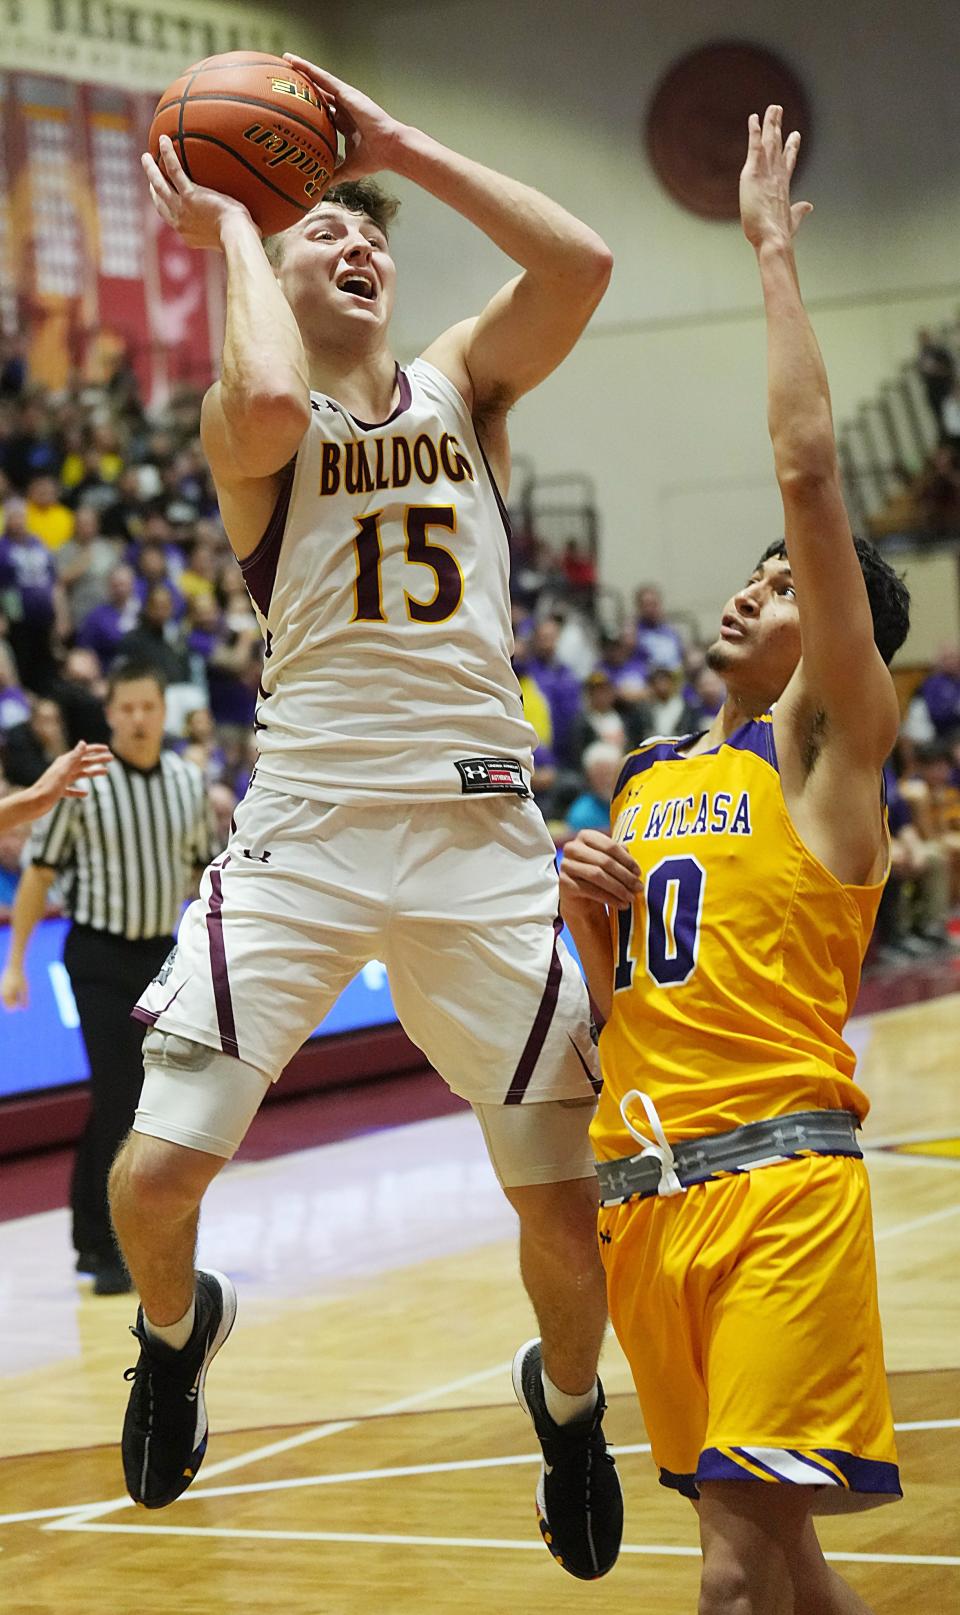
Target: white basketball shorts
458,899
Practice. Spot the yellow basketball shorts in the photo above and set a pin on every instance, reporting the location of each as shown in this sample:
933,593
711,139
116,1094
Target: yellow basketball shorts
747,1309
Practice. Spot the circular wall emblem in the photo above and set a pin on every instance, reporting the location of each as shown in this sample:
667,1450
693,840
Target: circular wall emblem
697,123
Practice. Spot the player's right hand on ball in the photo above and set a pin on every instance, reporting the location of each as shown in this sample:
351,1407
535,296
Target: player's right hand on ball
13,988
194,211
372,139
597,869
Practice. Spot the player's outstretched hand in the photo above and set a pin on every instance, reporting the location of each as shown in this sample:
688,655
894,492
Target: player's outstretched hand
767,214
67,775
194,211
597,869
371,137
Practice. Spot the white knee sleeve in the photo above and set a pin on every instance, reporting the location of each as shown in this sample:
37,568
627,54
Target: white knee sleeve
195,1096
538,1143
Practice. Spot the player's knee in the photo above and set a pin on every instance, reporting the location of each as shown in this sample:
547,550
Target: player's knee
156,1178
564,1213
725,1588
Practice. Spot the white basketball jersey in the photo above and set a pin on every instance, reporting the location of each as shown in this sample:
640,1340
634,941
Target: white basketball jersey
382,588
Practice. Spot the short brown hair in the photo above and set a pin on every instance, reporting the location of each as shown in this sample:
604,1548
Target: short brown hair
357,196
131,671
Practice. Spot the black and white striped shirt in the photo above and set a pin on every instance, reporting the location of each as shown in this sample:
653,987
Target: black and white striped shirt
128,849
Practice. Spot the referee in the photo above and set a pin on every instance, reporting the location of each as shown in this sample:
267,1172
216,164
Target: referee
127,853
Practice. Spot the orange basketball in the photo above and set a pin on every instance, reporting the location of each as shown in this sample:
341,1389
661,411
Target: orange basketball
251,126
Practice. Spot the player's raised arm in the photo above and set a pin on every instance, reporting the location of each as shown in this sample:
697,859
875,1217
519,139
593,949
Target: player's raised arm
535,319
841,673
256,414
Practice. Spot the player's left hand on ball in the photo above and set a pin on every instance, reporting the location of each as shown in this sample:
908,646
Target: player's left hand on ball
194,211
370,135
597,869
766,211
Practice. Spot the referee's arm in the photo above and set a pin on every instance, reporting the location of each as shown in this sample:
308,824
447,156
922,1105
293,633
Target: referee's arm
29,906
52,847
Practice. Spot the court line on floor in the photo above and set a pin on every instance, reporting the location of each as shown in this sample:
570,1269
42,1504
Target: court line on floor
390,1539
399,1472
319,1432
919,1222
72,1512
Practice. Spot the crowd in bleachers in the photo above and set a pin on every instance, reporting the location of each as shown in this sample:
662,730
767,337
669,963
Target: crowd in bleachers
111,548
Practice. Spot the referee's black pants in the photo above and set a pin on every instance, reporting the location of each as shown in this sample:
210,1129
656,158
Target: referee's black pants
107,974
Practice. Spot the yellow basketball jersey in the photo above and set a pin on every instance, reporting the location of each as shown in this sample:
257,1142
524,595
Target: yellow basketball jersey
738,964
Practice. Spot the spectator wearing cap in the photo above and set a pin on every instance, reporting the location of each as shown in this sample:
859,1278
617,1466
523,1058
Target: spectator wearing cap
598,718
84,564
668,707
30,598
103,628
657,640
47,516
591,809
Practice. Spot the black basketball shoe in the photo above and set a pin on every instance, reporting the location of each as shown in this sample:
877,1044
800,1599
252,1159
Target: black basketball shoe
579,1500
165,1429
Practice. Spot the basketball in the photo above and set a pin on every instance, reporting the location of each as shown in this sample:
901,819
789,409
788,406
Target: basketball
249,125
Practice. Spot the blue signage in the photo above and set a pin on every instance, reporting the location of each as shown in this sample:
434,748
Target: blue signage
41,1046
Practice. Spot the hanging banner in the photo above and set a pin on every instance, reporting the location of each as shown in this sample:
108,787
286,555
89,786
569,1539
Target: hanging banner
138,44
90,278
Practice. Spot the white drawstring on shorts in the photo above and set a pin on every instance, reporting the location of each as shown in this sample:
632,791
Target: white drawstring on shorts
661,1151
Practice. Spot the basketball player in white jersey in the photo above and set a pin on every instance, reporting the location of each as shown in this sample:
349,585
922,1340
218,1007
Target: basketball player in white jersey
390,814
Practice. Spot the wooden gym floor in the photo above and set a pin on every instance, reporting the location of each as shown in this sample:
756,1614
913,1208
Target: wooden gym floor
367,1453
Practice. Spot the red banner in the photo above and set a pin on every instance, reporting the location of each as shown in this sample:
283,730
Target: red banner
89,275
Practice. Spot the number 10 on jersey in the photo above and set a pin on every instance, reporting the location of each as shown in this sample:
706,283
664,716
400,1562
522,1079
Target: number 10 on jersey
673,890
419,551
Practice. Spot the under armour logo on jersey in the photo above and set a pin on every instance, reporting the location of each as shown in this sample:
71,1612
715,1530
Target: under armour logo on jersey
256,857
481,775
605,1238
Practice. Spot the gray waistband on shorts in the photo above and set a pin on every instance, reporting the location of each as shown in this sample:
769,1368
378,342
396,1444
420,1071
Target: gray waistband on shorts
697,1160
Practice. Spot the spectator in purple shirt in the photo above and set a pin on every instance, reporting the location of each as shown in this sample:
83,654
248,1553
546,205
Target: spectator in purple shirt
940,693
103,628
152,566
30,598
14,706
560,686
658,642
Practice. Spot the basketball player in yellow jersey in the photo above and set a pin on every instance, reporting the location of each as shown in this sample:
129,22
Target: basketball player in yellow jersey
722,926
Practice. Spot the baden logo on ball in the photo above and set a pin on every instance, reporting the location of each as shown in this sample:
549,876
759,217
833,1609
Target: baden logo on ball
249,125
